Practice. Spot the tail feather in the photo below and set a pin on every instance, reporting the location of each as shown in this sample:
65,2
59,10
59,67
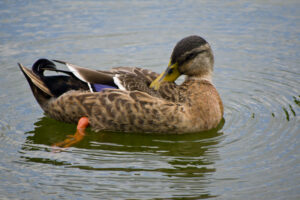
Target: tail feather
41,65
38,87
35,79
45,87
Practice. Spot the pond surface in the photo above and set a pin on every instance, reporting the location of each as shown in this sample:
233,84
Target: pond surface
255,154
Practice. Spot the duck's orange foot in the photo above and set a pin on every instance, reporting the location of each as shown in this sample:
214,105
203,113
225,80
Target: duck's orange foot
77,137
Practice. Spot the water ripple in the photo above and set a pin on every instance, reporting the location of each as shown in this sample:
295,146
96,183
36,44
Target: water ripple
254,153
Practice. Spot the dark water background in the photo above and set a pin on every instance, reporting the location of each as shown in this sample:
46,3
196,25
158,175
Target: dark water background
255,155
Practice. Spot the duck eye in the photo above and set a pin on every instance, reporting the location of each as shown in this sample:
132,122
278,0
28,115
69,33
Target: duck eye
191,56
170,71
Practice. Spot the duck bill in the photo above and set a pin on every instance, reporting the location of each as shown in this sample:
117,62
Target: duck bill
170,75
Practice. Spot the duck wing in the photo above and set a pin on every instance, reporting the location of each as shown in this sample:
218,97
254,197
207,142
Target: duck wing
123,78
127,79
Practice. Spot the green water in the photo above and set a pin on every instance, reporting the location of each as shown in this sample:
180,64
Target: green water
254,153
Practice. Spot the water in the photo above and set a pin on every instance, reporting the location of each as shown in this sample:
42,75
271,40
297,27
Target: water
253,155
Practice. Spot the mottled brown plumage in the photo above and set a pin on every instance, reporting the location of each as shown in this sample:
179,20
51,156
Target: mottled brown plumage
144,101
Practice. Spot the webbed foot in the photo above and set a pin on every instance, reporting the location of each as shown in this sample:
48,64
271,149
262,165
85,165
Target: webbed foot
77,137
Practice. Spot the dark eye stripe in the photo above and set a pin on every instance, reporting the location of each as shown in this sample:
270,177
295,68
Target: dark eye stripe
193,55
189,56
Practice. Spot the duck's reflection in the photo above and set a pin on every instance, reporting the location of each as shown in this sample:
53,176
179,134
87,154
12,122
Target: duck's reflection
48,131
180,157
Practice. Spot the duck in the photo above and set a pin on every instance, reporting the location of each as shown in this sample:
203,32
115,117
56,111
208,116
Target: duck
132,99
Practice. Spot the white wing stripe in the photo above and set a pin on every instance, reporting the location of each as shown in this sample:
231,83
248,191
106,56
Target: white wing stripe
77,74
118,82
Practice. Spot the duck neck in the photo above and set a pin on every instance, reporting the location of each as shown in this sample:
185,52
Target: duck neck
206,77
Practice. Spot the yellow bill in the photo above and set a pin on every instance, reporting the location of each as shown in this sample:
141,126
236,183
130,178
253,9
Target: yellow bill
170,75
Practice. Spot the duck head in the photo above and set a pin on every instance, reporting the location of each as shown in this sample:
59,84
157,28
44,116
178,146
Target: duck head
192,56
